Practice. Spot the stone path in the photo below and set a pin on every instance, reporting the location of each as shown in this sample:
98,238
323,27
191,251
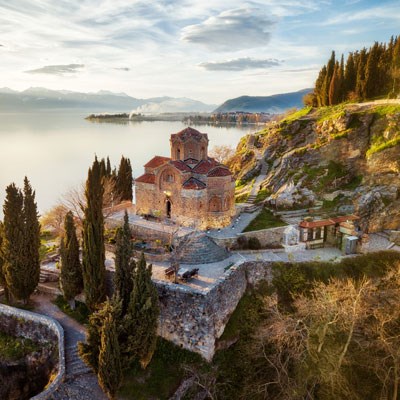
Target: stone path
79,383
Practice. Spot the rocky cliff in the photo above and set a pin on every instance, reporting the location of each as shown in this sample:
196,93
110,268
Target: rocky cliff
347,156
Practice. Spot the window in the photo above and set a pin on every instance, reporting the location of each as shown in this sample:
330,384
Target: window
169,177
178,154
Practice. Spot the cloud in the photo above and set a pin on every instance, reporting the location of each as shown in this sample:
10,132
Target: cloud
240,64
237,29
122,69
57,69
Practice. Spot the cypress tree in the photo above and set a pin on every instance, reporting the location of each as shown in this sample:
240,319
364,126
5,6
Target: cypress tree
3,281
330,67
141,320
108,167
125,180
93,268
124,264
360,81
395,68
14,243
334,88
372,73
109,368
89,351
103,170
71,280
319,86
31,239
349,76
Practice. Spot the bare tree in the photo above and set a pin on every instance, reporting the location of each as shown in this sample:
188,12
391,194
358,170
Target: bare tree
307,352
75,201
54,219
222,153
382,329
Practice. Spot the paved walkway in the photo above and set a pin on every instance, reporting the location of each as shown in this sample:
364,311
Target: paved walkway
80,383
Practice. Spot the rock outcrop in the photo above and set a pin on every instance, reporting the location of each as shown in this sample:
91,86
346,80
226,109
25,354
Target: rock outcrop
347,156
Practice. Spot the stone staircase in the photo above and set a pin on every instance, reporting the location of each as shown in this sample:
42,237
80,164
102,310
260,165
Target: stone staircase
74,365
250,207
201,249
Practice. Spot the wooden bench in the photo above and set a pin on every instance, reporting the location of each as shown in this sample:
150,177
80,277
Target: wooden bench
170,271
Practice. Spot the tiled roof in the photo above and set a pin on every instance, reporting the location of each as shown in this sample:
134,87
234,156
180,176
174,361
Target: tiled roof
191,161
146,178
188,133
195,184
204,166
156,162
219,171
181,165
316,224
327,222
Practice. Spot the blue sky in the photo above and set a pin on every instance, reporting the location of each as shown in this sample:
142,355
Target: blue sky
207,50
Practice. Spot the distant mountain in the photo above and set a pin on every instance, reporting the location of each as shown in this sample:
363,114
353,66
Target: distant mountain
274,104
41,99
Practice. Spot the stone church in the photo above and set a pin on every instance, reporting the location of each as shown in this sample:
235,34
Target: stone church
189,187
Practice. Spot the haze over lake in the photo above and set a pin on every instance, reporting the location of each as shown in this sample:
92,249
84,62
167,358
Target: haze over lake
55,149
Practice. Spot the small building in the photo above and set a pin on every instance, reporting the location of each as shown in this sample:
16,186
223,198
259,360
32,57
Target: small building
334,231
189,187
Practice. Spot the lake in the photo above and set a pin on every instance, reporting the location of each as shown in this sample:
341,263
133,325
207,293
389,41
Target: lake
56,149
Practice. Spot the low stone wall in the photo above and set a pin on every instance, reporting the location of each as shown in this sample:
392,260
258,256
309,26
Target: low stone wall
195,319
269,238
54,327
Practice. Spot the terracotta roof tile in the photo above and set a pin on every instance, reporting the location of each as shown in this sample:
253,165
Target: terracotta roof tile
316,224
204,166
195,184
181,165
146,178
327,222
219,171
191,161
156,162
188,132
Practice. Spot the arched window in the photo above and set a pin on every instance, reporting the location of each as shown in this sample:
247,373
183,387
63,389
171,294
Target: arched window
203,153
168,177
178,154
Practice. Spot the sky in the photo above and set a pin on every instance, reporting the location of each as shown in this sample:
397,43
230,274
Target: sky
205,50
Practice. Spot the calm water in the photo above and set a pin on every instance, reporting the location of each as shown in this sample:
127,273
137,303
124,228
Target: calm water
55,150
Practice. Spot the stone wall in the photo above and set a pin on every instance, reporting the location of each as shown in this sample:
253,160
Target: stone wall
269,238
195,319
53,328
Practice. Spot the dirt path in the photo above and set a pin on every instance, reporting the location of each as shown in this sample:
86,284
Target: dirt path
80,382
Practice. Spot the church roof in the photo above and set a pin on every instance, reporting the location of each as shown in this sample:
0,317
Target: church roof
188,133
204,166
156,162
146,178
195,184
181,166
219,171
191,161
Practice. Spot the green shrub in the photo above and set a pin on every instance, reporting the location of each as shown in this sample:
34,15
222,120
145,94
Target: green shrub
254,243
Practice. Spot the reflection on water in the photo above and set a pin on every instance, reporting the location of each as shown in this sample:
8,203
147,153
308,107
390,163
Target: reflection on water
55,149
